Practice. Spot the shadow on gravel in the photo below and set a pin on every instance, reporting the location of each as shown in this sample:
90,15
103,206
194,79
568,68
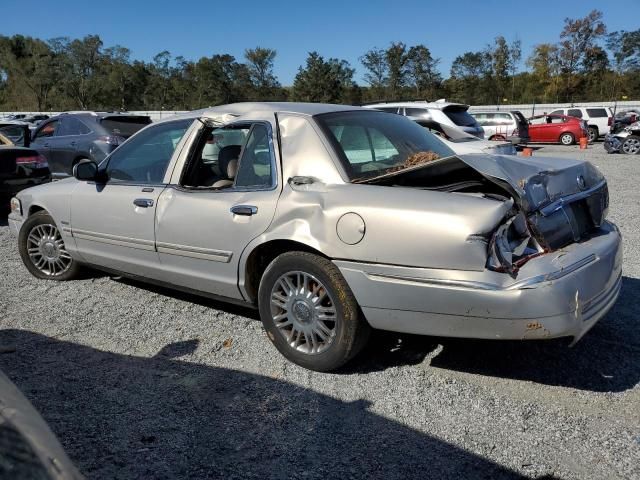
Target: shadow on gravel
607,359
227,307
122,416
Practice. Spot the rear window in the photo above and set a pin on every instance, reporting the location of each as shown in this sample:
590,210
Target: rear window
460,116
370,144
597,112
124,126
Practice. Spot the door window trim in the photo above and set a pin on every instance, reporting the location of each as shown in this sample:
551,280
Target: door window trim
275,180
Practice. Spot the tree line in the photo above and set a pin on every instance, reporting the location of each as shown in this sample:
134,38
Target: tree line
587,63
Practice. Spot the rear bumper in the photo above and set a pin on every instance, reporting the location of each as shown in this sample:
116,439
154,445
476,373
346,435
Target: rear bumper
561,294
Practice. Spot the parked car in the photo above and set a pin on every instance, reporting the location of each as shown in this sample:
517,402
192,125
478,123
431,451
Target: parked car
333,219
623,119
556,129
435,115
462,143
67,138
501,125
627,141
456,138
17,131
599,119
20,166
28,447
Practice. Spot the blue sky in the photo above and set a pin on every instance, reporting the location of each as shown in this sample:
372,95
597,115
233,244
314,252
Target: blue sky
343,29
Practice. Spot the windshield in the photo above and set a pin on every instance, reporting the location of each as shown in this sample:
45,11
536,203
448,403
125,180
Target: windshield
371,143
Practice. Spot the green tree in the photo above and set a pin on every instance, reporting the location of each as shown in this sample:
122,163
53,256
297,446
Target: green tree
577,37
397,57
323,81
423,71
260,62
376,74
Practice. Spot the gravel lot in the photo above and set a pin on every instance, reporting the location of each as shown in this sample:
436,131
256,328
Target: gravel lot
140,382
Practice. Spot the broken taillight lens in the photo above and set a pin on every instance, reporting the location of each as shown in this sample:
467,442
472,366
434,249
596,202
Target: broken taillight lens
32,161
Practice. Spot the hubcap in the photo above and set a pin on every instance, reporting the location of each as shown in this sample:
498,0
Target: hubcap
631,145
566,139
46,250
304,312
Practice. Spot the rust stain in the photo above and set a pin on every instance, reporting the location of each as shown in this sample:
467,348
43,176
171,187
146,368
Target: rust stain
227,343
534,326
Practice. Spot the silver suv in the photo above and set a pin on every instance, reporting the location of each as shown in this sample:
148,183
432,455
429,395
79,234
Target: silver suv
501,125
436,115
599,119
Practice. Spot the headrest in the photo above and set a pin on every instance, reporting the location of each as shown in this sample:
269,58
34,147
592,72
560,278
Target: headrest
226,156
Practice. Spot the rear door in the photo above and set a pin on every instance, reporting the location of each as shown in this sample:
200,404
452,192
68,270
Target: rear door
63,146
537,128
202,231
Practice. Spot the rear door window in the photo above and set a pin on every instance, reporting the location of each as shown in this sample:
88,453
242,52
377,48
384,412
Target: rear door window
575,112
256,168
416,112
557,112
124,125
597,112
388,109
72,126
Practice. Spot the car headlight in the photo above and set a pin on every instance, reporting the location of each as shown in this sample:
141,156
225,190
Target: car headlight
16,206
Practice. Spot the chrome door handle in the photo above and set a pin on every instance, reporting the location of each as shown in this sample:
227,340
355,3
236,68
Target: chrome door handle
246,210
143,202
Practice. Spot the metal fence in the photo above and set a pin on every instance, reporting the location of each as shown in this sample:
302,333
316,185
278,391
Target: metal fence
528,110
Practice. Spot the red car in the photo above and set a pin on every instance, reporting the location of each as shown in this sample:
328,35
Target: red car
556,129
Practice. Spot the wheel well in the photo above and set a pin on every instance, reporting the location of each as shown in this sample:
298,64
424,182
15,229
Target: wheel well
595,127
35,209
263,255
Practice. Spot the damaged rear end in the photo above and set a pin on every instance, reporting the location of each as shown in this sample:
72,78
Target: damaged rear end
557,202
554,202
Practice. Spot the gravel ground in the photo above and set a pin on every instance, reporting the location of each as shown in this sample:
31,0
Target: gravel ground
140,382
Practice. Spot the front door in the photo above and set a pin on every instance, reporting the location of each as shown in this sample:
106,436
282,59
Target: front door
113,222
205,221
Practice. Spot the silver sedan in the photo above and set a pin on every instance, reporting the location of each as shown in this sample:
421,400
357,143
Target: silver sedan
332,220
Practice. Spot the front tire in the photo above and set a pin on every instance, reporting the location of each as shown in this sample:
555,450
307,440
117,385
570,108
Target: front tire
310,313
631,145
43,251
567,139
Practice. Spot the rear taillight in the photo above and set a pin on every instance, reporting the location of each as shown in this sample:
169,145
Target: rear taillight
114,140
610,121
33,161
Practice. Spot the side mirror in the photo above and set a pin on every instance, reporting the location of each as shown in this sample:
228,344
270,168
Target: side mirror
85,170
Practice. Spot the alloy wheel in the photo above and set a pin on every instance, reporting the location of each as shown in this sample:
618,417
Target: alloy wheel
304,312
631,146
47,251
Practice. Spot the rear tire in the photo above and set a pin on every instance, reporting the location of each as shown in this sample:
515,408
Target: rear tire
631,145
43,251
567,139
593,134
498,138
309,312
